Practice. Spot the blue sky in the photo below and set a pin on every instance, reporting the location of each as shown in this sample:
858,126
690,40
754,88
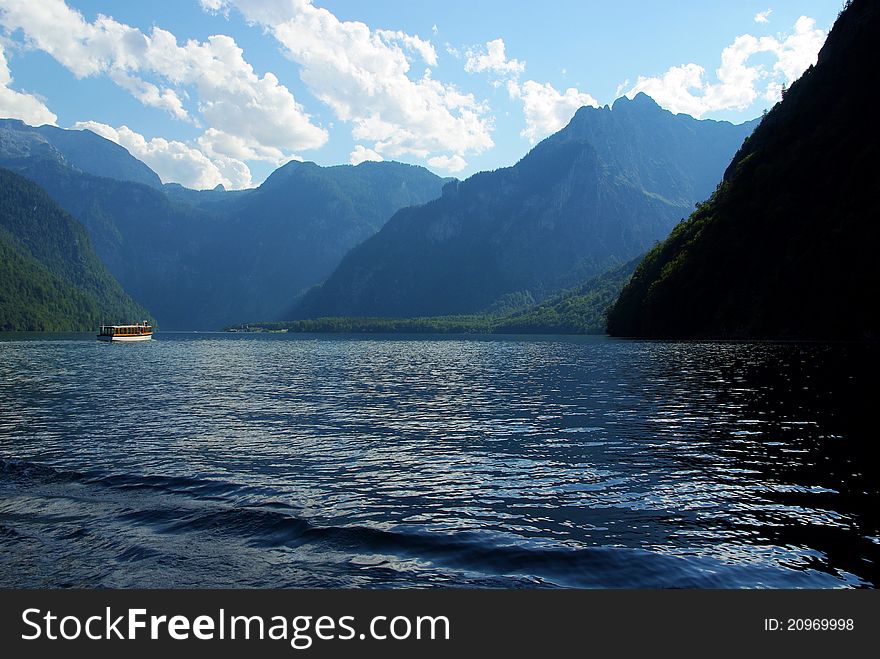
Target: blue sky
225,91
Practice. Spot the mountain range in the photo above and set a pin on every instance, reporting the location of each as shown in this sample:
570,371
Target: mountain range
50,277
81,150
784,248
591,197
584,201
202,260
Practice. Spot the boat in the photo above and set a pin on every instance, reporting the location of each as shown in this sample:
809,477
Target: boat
126,333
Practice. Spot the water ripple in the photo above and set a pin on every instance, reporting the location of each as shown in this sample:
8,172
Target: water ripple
299,461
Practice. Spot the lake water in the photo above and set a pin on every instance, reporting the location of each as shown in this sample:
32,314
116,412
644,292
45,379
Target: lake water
302,461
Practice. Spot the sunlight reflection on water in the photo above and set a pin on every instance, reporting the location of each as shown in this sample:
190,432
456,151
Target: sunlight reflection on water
529,461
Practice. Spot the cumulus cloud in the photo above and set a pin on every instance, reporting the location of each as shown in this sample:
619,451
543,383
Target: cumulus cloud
18,105
546,109
451,164
362,154
773,92
149,94
212,5
685,88
175,161
763,16
217,144
492,59
365,76
413,43
253,110
799,50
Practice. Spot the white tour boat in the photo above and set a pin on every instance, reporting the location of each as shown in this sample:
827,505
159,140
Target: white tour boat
126,333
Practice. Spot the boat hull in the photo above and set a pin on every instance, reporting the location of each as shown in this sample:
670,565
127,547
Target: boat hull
125,339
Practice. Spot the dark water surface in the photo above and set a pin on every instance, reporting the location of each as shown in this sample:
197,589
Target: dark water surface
282,460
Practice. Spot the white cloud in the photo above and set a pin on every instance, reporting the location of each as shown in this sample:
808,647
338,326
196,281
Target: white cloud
685,89
452,164
763,16
365,77
361,154
216,143
773,92
674,89
230,96
493,60
799,50
149,94
18,105
413,43
212,5
546,109
175,161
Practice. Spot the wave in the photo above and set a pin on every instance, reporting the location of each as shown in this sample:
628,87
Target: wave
213,513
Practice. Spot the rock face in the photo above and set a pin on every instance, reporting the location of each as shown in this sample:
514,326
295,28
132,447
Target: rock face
592,196
785,247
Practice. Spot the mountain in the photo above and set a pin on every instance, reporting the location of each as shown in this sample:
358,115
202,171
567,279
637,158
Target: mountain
205,259
291,232
591,197
155,248
50,277
81,149
211,200
785,247
582,310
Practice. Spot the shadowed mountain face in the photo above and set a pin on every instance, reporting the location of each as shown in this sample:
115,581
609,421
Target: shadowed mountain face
592,196
202,260
292,231
81,149
786,245
50,277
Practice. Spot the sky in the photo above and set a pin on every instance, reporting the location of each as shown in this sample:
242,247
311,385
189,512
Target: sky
210,92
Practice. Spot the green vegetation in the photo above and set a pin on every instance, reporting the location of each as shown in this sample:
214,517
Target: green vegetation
586,199
50,278
583,310
579,311
476,324
202,259
785,246
33,299
594,195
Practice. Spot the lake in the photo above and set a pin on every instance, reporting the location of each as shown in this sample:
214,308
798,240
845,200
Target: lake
277,460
